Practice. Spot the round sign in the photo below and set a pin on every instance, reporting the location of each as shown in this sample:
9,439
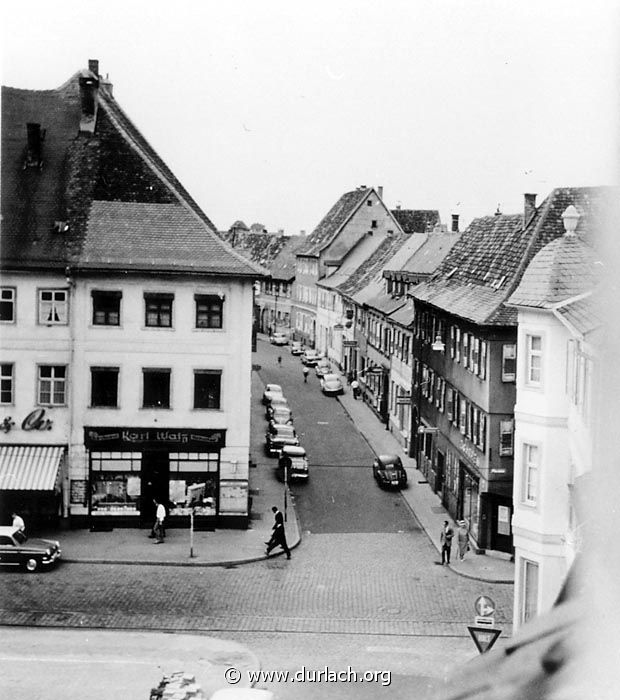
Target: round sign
484,606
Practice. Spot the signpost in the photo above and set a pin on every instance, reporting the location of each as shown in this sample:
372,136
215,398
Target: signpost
484,633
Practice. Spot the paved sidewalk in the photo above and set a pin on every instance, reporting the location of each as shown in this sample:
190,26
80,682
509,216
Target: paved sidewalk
425,504
221,547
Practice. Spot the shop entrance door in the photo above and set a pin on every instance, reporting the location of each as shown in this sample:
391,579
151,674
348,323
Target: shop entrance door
155,478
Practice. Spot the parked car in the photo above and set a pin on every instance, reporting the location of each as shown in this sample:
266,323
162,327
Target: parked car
388,471
279,339
270,391
18,550
277,400
280,414
310,358
297,347
323,367
331,385
294,462
277,436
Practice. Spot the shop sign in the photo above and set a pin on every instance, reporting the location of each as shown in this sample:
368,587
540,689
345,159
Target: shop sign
349,343
192,439
35,420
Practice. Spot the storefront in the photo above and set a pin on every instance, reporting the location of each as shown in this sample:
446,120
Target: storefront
130,468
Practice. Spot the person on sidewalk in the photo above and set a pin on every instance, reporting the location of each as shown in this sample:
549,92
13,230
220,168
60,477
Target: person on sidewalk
447,533
462,537
18,523
278,536
355,387
306,371
279,360
158,528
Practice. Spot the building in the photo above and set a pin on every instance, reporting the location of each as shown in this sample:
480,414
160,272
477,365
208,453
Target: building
357,215
560,328
126,324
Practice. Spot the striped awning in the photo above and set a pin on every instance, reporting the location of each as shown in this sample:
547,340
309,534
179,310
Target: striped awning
29,467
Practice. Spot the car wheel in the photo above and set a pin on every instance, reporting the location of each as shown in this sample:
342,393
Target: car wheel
32,564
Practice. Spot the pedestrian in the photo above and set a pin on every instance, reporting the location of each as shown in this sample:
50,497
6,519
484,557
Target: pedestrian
445,538
158,528
462,536
355,387
350,377
18,523
280,360
305,370
278,536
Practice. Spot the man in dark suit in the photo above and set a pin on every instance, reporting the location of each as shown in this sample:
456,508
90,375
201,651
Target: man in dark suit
278,537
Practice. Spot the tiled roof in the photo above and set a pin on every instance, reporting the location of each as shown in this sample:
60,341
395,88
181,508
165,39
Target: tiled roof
427,257
261,248
486,264
358,255
283,265
416,220
582,314
404,315
385,303
114,165
333,221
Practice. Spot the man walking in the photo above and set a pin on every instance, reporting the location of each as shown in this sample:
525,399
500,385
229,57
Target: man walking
446,542
160,516
305,371
278,537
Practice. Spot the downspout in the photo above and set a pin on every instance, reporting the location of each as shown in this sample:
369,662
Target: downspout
66,485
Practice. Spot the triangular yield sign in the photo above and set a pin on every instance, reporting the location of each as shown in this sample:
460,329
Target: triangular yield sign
484,637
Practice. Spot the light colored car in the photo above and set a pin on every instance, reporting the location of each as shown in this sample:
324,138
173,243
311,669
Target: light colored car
280,414
323,367
277,436
310,358
279,339
293,459
331,385
271,390
297,347
18,550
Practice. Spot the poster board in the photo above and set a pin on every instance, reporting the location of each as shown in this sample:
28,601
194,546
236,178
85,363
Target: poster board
77,492
234,497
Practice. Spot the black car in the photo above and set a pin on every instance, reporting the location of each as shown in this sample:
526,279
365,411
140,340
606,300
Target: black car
18,550
389,472
278,436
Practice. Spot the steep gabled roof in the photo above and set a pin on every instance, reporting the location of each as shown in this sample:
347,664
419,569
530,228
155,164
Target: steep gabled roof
426,259
85,179
334,220
416,220
260,248
283,265
486,265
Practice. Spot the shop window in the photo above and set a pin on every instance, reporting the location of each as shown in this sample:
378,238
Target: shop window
209,308
7,305
52,385
531,461
509,363
529,590
156,388
207,388
534,360
53,307
194,481
6,384
115,483
106,308
104,387
158,310
506,438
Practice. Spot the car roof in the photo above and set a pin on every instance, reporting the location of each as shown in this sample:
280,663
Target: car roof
280,428
330,377
273,387
388,459
8,530
294,450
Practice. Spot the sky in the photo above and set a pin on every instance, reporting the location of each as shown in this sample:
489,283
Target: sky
268,111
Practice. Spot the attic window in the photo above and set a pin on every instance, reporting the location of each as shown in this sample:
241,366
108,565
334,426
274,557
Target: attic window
369,202
373,223
452,271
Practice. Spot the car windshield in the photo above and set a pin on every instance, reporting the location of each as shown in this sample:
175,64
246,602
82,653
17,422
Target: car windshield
331,378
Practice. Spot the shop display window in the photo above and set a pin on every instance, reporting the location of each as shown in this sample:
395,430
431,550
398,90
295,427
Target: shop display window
115,483
199,470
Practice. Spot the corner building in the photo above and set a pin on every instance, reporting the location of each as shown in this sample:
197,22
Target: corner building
126,325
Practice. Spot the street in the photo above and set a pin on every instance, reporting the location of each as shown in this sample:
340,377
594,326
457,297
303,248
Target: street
362,589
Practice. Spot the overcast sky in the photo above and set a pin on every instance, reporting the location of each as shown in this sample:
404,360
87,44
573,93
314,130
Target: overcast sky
269,110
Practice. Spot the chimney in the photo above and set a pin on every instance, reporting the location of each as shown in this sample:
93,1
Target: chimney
529,207
455,223
93,66
34,150
88,98
380,191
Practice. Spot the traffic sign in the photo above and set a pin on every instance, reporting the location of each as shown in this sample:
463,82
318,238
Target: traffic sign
484,637
484,621
484,606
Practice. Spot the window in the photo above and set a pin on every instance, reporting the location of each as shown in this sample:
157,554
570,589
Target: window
509,363
373,223
156,391
208,311
483,359
106,308
466,350
534,360
207,388
53,306
457,344
7,305
506,438
530,474
104,387
158,310
529,590
6,384
52,385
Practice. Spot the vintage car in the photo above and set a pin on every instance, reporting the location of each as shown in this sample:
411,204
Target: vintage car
279,339
297,347
18,550
331,385
270,391
278,436
389,472
293,463
276,402
281,415
310,358
323,367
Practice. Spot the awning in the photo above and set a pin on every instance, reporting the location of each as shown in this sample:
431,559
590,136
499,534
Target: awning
29,467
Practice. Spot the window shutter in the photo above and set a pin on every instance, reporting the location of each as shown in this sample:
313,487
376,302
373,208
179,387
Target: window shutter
466,350
483,359
463,416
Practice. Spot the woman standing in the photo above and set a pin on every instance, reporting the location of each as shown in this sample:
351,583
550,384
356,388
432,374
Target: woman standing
463,539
